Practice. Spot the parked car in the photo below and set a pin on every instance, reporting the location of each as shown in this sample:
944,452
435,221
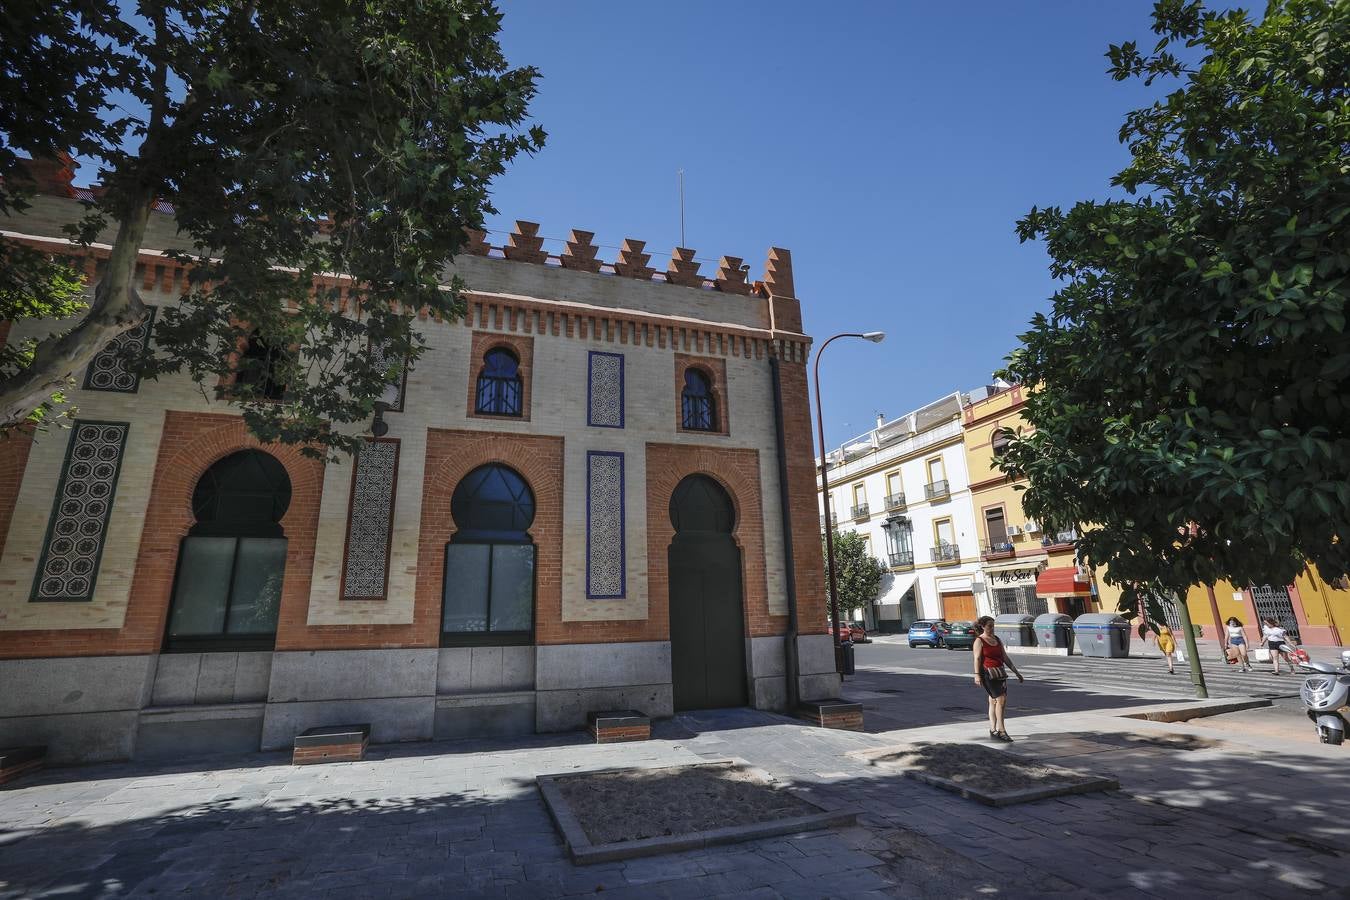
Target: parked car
929,632
961,636
850,631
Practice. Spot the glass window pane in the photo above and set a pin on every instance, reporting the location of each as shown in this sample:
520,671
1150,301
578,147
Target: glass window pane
466,587
257,586
512,587
203,580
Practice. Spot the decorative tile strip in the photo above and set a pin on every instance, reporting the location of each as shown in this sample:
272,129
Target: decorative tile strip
604,390
109,370
366,572
605,567
68,568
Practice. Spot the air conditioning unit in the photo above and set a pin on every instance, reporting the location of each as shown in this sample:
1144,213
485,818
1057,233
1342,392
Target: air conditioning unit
1031,527
1014,529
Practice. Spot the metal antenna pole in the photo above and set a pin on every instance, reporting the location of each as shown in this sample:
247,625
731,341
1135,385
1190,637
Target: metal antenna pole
681,171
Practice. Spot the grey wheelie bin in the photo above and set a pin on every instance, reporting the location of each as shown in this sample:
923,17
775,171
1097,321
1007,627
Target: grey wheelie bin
1104,635
1015,630
1054,631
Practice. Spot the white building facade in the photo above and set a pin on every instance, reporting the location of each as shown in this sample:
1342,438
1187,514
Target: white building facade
904,485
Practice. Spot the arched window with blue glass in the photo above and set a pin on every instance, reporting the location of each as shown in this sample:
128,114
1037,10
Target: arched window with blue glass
490,561
227,592
500,387
698,406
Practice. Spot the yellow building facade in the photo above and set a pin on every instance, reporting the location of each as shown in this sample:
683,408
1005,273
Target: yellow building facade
1316,611
1027,566
1031,567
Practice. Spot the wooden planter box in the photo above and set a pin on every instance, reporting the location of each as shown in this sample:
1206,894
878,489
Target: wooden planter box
331,743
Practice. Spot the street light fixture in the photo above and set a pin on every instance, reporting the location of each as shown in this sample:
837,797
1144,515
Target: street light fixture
875,337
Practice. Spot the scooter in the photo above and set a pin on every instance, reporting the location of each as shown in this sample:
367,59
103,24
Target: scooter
1326,694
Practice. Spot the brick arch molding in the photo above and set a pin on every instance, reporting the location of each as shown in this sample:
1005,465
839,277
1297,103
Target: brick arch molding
736,470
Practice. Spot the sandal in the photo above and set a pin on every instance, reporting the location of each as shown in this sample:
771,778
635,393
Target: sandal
1003,736
993,735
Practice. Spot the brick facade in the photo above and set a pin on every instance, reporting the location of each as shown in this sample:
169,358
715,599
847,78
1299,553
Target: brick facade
738,472
551,312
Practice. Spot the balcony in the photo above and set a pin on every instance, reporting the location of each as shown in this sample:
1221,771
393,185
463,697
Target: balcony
1000,550
834,520
902,560
859,512
895,501
946,555
1060,540
938,490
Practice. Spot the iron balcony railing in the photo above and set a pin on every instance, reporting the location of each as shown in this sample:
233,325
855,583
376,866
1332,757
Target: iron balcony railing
895,501
860,512
998,550
902,560
1060,538
946,554
938,490
834,519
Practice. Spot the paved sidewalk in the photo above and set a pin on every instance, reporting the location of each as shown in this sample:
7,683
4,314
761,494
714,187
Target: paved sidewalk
463,819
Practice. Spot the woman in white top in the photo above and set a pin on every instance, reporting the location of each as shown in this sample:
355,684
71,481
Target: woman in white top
1277,642
1237,642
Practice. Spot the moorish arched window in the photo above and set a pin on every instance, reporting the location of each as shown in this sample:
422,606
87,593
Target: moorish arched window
698,407
227,592
500,387
490,561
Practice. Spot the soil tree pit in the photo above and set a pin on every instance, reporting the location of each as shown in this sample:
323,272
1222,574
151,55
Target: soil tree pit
625,813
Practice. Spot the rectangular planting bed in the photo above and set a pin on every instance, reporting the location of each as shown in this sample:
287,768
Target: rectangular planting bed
625,813
986,775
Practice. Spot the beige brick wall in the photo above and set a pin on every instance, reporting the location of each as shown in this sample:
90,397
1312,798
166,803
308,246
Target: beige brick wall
435,398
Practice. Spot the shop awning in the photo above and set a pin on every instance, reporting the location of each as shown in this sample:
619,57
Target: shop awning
1062,581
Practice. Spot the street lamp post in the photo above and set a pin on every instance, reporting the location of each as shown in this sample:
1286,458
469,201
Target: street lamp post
875,337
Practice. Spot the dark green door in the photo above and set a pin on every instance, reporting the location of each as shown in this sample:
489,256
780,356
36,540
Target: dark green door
707,621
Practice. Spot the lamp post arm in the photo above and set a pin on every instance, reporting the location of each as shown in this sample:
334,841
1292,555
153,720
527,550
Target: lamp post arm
825,488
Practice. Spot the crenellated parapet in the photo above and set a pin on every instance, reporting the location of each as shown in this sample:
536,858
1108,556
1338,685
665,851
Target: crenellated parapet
579,252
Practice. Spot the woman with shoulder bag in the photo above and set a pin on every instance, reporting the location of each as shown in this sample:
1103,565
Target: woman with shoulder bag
991,673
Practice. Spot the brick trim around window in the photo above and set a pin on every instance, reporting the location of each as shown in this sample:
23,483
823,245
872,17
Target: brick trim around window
523,348
716,370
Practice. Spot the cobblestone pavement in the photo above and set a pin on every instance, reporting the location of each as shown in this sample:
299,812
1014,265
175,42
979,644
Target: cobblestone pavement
463,819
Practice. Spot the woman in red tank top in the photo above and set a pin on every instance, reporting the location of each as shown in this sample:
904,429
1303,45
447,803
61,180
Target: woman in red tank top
991,673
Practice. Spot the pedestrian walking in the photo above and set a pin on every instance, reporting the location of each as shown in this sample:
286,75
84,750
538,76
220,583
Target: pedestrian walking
1167,645
1277,642
991,673
1237,642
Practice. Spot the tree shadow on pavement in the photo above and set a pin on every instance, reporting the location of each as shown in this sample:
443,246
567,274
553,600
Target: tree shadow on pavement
894,701
398,829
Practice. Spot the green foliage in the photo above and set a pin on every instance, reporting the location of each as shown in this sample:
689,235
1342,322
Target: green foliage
292,140
859,573
1190,397
35,285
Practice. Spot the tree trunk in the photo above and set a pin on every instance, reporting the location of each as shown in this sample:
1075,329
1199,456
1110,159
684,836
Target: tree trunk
117,308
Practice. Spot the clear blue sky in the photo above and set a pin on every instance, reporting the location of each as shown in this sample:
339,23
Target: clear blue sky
889,146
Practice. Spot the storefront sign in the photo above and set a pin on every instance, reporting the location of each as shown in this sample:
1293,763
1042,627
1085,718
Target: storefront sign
1014,577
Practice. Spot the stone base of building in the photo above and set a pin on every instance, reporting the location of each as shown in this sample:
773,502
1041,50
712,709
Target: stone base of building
181,705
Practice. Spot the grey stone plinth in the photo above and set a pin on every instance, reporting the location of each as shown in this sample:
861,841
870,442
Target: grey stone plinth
211,678
183,732
570,666
392,720
314,675
477,670
567,710
78,738
507,714
77,684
